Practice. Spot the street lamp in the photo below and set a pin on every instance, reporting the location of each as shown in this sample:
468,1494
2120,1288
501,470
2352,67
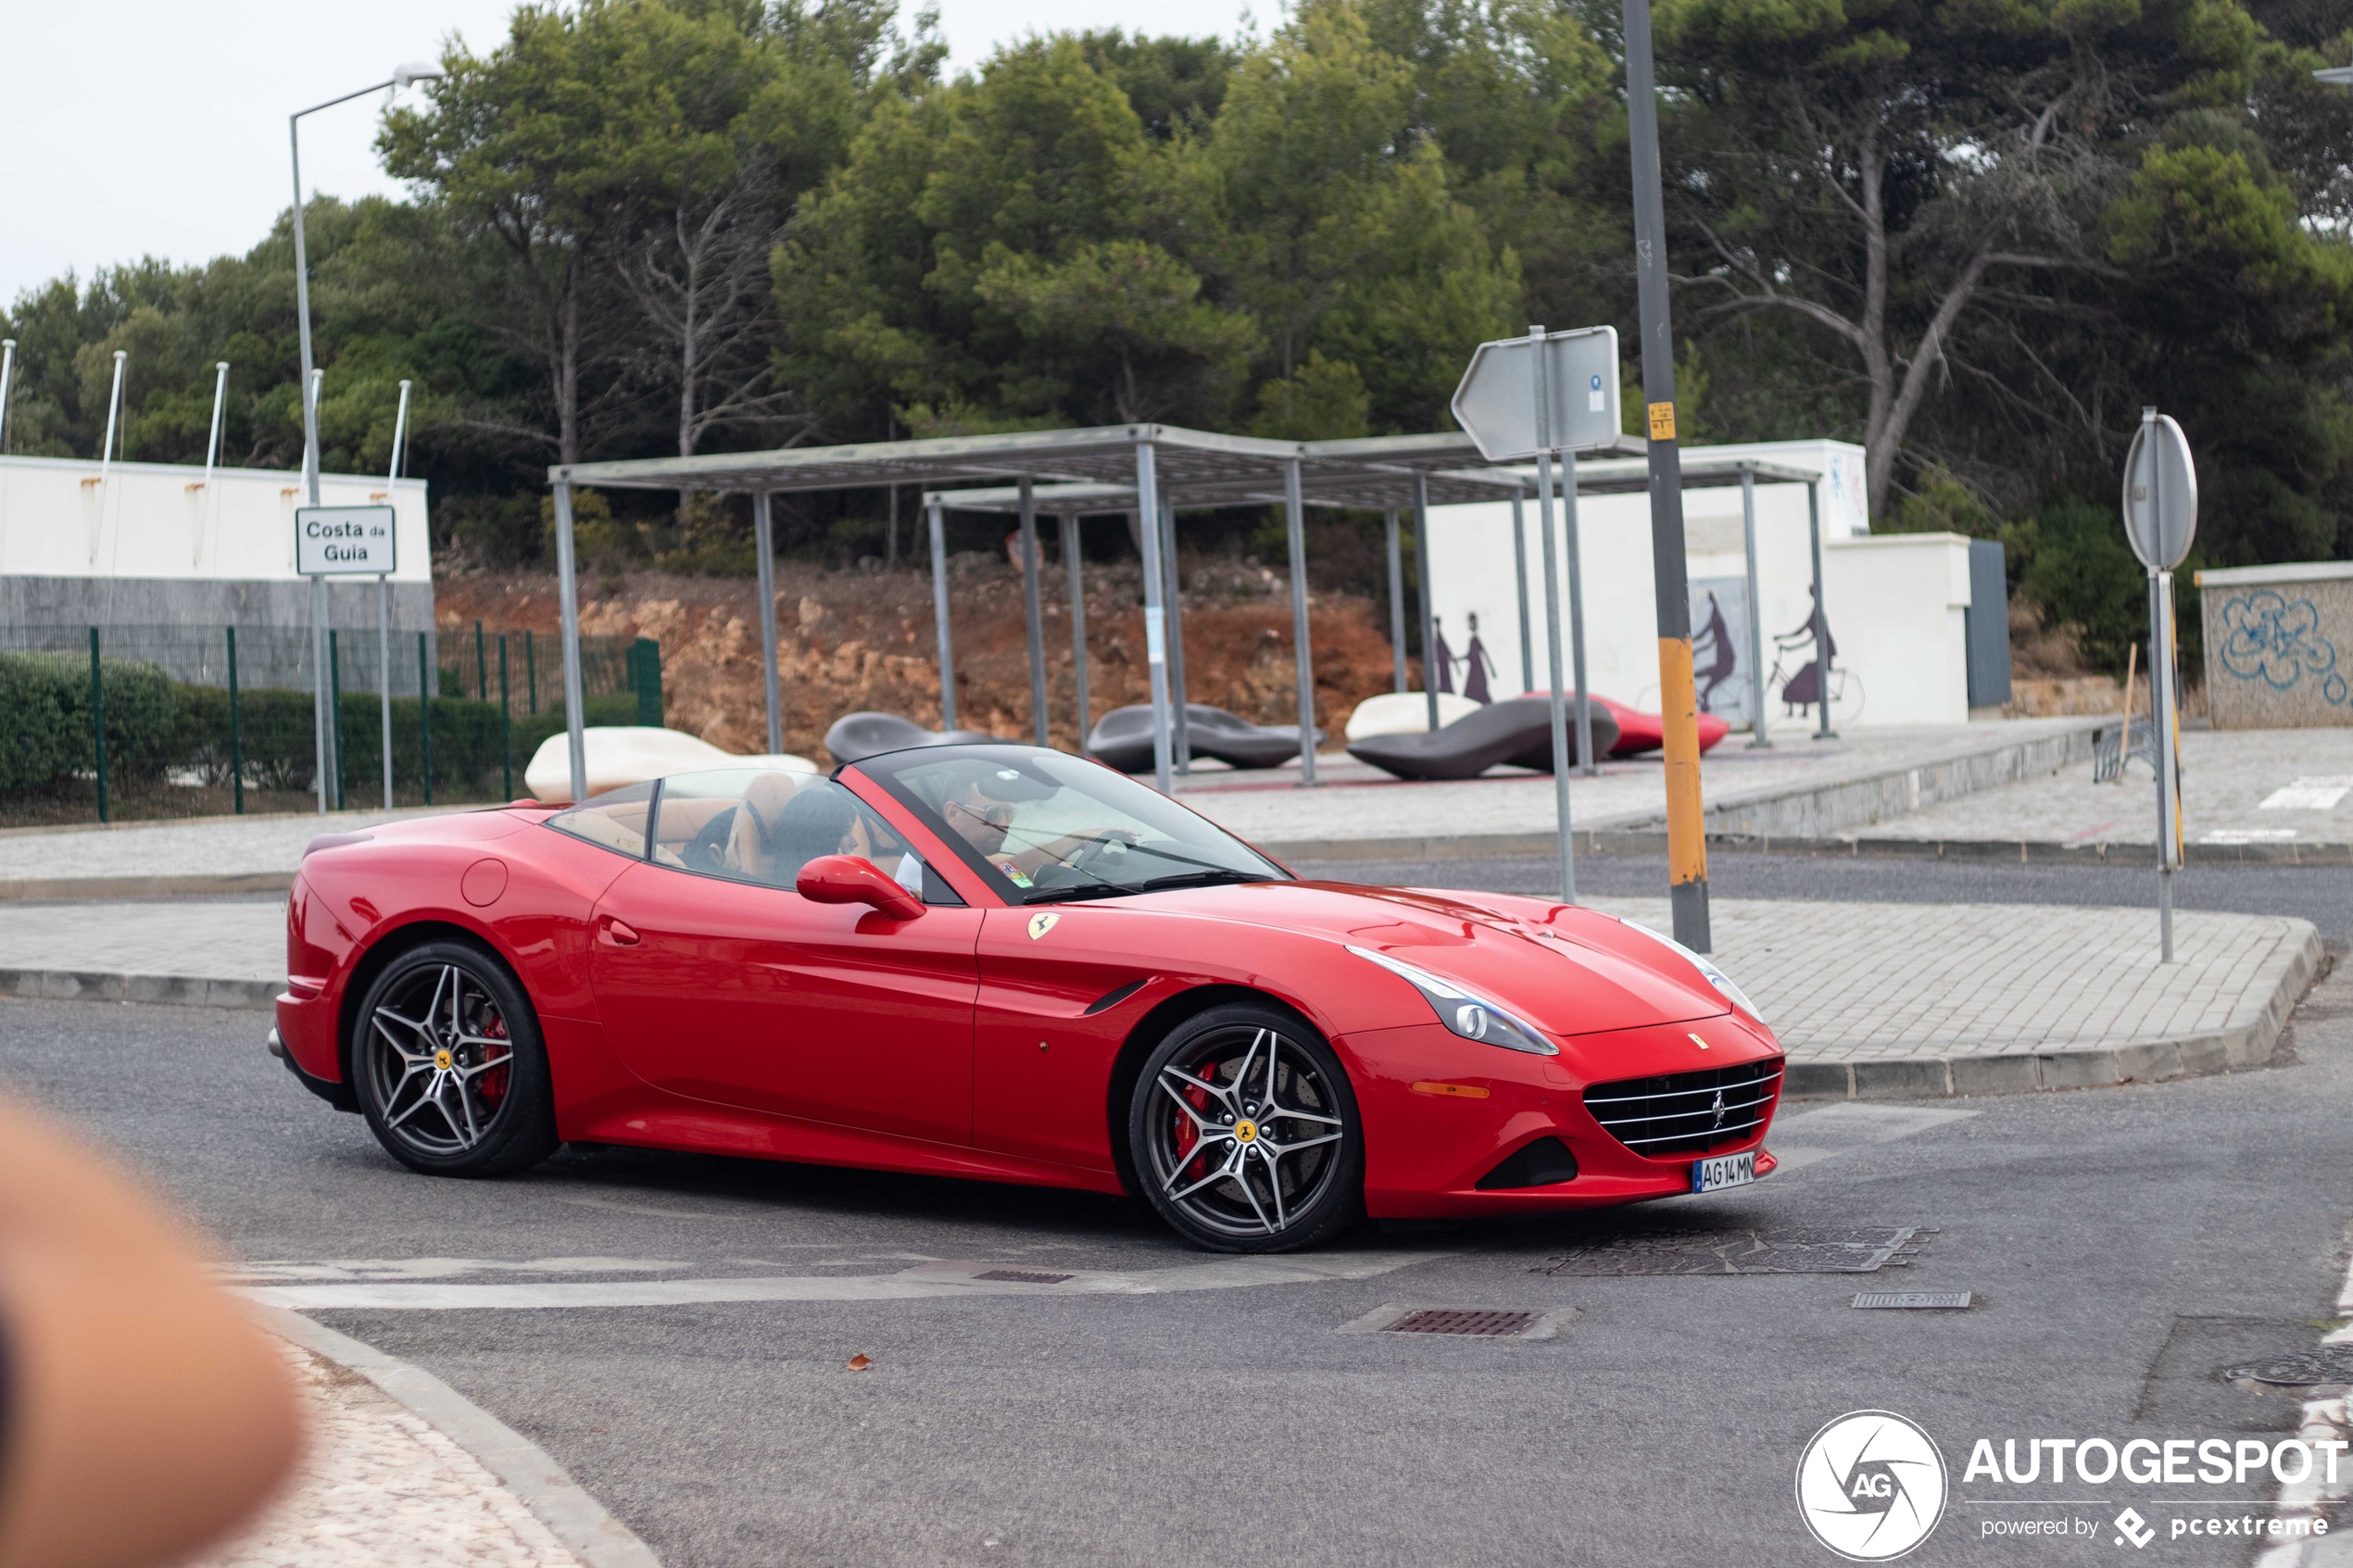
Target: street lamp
324,718
2336,76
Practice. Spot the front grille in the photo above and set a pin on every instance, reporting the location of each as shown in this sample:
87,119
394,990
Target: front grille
1687,1112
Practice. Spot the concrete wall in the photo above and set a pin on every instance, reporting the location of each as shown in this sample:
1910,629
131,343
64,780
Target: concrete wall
1896,604
2279,646
155,543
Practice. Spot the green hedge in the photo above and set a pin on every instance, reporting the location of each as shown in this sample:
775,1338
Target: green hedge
155,725
45,719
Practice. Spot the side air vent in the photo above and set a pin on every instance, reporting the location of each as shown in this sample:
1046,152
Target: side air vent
1546,1162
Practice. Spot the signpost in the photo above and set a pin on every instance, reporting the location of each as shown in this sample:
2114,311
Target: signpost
338,542
1542,395
2160,519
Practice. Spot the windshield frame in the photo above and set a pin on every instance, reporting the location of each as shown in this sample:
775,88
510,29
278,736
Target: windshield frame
883,771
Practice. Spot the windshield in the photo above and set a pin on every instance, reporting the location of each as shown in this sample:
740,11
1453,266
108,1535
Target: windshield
1044,827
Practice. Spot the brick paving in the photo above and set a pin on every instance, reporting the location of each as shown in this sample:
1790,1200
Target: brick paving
2227,775
381,1486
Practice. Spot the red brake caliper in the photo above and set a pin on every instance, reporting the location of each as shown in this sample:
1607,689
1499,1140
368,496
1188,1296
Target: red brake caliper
1188,1138
491,1086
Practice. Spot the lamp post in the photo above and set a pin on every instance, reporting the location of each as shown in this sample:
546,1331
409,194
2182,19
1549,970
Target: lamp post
405,76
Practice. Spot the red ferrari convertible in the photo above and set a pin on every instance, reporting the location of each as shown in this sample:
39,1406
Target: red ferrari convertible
1008,963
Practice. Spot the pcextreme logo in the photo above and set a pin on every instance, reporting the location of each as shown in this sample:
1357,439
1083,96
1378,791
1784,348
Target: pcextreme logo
1870,1485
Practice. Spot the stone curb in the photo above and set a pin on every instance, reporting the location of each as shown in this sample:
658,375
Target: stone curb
544,1487
2252,1044
212,885
179,990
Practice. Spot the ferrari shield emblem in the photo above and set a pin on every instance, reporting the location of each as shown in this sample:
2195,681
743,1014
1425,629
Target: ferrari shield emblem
1041,923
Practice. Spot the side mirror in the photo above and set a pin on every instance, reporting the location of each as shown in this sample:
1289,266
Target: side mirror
853,879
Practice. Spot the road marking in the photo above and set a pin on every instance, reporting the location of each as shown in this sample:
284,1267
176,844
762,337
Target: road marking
341,1270
925,1281
615,1205
2317,1495
2307,795
1839,1129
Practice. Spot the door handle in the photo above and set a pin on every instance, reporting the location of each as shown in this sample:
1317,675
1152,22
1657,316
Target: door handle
618,934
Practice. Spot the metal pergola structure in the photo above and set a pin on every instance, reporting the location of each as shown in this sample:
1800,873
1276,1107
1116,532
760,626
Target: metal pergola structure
1147,469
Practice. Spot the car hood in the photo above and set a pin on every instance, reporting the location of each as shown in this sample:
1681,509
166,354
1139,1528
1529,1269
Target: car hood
1567,971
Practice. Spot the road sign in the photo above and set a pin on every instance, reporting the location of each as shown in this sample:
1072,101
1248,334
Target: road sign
345,542
1496,402
2161,492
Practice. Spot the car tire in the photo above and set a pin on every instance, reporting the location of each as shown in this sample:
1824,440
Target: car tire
448,1066
1225,1172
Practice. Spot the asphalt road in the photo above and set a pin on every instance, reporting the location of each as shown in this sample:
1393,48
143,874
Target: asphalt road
2122,1245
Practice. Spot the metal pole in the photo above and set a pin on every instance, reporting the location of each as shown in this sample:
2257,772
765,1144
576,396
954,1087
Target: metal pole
1180,697
309,460
334,705
321,606
1820,617
114,412
1429,616
530,673
482,664
383,587
568,599
212,442
1678,702
1033,611
1397,601
763,534
1301,638
236,731
1759,740
424,713
1520,569
8,374
506,726
1155,612
98,721
2161,732
1587,763
1552,655
939,614
1078,625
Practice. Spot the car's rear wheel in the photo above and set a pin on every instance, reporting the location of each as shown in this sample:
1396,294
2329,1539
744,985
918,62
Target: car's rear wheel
1245,1134
448,1065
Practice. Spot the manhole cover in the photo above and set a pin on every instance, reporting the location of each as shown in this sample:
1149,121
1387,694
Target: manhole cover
1434,1320
1805,1250
1021,1276
2331,1363
1918,1300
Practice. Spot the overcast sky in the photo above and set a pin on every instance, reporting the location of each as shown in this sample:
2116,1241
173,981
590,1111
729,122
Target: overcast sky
159,127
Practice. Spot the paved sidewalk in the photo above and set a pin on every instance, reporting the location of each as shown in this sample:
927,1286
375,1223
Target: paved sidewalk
380,1485
1870,998
2240,788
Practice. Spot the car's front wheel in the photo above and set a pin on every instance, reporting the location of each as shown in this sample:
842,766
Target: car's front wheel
449,1065
1245,1134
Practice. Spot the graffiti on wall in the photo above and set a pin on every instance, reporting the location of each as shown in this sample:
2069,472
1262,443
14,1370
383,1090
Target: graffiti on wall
2268,636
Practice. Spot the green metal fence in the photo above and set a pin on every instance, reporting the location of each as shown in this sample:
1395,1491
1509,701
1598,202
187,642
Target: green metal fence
136,721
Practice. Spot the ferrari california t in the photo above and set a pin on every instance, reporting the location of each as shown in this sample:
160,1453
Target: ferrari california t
1005,963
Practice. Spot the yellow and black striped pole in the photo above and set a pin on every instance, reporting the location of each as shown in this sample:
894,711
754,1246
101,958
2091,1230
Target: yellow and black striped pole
1677,697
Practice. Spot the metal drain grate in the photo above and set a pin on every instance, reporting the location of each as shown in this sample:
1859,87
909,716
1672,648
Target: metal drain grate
1918,1300
1021,1276
1435,1320
2299,1369
1810,1249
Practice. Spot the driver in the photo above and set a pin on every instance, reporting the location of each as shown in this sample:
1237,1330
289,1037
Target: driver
980,811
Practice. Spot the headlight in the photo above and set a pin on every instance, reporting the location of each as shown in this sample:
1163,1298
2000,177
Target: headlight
1472,1017
1715,977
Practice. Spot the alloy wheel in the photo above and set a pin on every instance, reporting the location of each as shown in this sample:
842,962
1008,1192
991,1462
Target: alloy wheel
1243,1132
440,1060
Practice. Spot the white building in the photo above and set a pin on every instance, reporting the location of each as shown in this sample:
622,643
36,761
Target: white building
155,543
1896,604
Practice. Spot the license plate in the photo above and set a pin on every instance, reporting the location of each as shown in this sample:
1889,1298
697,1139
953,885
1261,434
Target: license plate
1726,1170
